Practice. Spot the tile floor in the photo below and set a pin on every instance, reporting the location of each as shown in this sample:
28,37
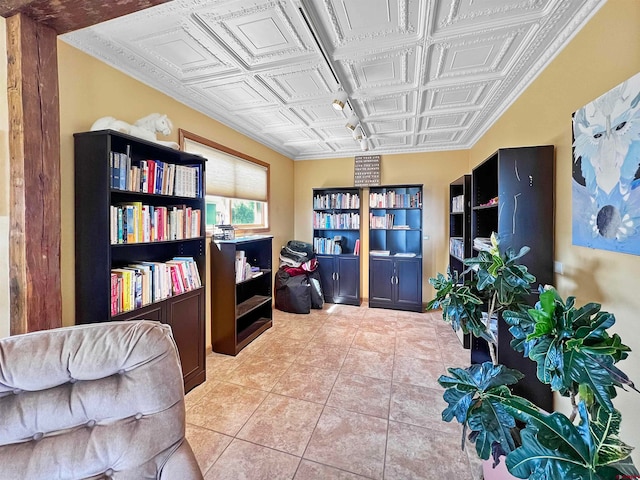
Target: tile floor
341,393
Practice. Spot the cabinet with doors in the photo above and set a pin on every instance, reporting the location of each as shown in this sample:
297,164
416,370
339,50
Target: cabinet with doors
336,242
512,194
241,292
395,247
140,239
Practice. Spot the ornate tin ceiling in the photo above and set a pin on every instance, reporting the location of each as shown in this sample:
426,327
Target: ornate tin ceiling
422,75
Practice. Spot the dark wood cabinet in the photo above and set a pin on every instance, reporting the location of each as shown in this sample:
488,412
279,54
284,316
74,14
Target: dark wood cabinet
340,278
395,283
241,306
336,242
395,247
96,253
513,195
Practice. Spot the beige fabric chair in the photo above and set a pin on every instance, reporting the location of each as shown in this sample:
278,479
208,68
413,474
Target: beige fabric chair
101,401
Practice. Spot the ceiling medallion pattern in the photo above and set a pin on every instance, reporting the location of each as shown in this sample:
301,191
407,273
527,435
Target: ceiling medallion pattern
423,75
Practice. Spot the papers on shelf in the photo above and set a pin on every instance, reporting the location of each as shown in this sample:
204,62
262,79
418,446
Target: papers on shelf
482,244
379,253
408,255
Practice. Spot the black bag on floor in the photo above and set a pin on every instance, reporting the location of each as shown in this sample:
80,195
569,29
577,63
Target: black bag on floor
293,294
317,299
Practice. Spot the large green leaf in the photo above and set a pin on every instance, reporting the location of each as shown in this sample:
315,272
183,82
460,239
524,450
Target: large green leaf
493,425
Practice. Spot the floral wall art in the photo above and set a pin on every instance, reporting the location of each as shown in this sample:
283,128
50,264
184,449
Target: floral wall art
606,170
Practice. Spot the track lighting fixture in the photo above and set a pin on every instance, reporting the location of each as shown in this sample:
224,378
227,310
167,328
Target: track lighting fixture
364,145
353,122
340,100
358,134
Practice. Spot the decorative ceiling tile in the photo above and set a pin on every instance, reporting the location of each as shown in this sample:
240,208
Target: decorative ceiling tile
422,75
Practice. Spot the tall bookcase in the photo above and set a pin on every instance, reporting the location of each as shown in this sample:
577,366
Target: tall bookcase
102,159
395,247
459,222
336,242
512,194
241,305
460,232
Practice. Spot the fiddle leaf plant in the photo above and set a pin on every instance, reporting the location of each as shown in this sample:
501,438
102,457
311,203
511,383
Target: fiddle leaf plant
575,356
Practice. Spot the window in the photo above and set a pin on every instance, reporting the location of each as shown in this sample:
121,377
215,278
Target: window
237,186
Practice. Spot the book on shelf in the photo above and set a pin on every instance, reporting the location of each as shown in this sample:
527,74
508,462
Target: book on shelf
356,247
379,253
482,244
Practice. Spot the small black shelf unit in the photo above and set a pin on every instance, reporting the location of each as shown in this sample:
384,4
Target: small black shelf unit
512,194
96,255
337,213
395,247
240,310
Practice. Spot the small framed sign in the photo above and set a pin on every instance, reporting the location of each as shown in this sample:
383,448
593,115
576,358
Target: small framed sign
366,171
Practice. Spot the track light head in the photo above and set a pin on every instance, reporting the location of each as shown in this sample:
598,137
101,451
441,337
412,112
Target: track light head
353,122
340,100
364,145
358,134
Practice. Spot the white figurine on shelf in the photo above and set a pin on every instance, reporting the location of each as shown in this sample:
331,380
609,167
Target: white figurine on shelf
145,128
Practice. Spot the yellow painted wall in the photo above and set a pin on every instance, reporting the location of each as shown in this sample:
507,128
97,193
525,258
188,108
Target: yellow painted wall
605,53
434,170
4,187
90,89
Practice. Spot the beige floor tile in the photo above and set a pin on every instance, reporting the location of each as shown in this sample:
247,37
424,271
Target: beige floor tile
369,364
305,382
247,461
282,423
279,348
226,408
426,348
339,309
321,355
198,393
343,320
349,441
379,324
316,471
420,406
335,335
414,329
206,444
361,394
374,341
259,372
422,454
418,371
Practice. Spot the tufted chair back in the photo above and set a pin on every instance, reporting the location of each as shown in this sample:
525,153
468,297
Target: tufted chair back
100,401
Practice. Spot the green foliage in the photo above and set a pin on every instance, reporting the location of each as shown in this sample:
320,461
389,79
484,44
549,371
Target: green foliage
574,354
242,213
474,397
571,346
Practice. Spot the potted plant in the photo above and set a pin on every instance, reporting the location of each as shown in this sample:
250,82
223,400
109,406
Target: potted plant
575,356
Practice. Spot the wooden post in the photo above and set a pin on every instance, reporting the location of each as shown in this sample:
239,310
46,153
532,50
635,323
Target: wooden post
34,148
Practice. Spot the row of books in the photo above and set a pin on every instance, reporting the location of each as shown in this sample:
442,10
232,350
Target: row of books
457,204
337,200
327,246
141,283
456,247
385,222
391,199
244,270
154,176
135,222
336,221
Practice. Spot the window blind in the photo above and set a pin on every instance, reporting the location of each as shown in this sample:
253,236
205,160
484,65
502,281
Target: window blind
230,176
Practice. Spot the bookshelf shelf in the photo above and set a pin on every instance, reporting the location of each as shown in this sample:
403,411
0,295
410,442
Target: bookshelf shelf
395,247
153,292
241,309
339,262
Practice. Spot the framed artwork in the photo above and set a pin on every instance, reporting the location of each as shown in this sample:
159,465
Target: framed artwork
606,171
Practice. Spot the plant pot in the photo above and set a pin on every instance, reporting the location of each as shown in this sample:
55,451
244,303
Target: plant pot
498,473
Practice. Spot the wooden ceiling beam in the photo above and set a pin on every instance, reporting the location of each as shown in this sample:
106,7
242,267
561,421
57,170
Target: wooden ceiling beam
68,15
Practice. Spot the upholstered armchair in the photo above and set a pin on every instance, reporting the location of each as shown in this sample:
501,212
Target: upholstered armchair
93,401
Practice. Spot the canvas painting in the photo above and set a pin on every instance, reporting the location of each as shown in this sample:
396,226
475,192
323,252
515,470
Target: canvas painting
606,170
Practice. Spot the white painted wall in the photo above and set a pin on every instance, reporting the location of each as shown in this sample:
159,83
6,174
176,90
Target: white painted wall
4,186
